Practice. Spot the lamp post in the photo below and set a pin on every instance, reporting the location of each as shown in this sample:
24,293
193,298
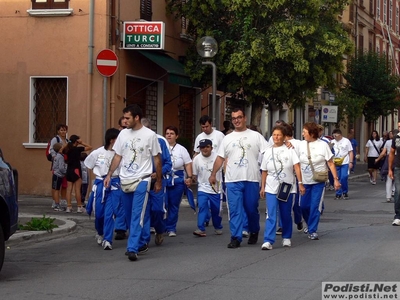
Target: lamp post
207,47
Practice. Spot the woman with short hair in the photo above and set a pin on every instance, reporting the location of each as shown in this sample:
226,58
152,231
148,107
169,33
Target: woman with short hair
315,156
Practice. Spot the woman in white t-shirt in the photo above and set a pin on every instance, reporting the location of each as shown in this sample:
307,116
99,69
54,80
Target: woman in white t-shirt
181,164
277,166
372,152
321,158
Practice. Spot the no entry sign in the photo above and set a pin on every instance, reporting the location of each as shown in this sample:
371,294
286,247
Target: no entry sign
107,62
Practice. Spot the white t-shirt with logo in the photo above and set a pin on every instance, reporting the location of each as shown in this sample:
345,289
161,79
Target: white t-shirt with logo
285,159
137,148
320,154
202,168
342,149
99,161
179,157
241,150
215,136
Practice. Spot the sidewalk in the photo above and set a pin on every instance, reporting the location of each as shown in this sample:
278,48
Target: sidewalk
35,206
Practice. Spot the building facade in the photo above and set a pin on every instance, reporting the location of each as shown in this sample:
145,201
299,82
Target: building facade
48,76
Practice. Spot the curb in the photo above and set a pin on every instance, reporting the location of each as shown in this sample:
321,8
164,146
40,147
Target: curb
41,236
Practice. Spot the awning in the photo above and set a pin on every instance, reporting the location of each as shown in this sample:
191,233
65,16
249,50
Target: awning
176,73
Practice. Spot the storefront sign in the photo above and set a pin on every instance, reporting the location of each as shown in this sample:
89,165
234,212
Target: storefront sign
144,35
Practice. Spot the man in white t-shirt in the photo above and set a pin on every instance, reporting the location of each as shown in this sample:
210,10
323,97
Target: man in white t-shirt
240,149
343,159
208,132
135,150
208,197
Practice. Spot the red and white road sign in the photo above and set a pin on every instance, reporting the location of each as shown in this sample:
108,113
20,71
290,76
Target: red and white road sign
107,62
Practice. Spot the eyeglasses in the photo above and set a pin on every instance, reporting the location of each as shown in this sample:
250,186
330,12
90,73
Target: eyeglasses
237,118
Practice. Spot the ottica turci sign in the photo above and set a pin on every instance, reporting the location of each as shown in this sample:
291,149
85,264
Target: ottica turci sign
144,35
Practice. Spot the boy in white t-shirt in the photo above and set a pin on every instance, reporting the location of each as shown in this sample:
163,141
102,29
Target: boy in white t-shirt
208,196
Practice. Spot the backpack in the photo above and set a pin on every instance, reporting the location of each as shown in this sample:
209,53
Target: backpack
48,154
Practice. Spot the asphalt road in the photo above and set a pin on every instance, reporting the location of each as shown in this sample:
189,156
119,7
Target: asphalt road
357,243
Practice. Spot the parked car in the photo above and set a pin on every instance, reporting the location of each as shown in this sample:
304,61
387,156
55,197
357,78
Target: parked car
8,204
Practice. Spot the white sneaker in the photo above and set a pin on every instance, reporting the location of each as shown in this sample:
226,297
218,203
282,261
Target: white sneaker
396,222
106,245
53,205
286,243
245,234
99,239
172,234
68,209
80,210
266,246
388,199
152,230
218,231
63,204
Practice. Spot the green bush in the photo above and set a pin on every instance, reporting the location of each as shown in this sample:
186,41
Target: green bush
39,224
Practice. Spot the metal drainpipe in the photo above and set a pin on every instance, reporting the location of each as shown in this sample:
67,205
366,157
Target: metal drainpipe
90,73
113,27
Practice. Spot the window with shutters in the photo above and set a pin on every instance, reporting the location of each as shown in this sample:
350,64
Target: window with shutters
146,11
378,9
384,11
50,4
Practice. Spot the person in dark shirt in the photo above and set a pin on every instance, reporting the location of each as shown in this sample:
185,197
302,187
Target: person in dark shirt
72,154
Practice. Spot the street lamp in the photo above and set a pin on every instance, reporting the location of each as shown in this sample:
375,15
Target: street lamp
207,47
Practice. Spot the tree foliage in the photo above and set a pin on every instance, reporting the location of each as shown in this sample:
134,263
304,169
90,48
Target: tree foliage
369,77
273,51
350,106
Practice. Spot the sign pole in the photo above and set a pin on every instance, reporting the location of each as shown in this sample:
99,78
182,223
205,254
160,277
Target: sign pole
104,105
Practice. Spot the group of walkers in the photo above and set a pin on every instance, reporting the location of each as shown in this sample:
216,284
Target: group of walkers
141,178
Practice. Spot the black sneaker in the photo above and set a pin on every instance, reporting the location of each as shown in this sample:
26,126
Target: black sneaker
143,249
120,235
279,231
132,256
300,227
234,244
338,197
345,196
253,238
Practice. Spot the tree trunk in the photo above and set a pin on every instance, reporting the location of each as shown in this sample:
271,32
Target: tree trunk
256,109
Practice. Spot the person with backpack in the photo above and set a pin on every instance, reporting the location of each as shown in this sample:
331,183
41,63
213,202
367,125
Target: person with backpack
61,138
